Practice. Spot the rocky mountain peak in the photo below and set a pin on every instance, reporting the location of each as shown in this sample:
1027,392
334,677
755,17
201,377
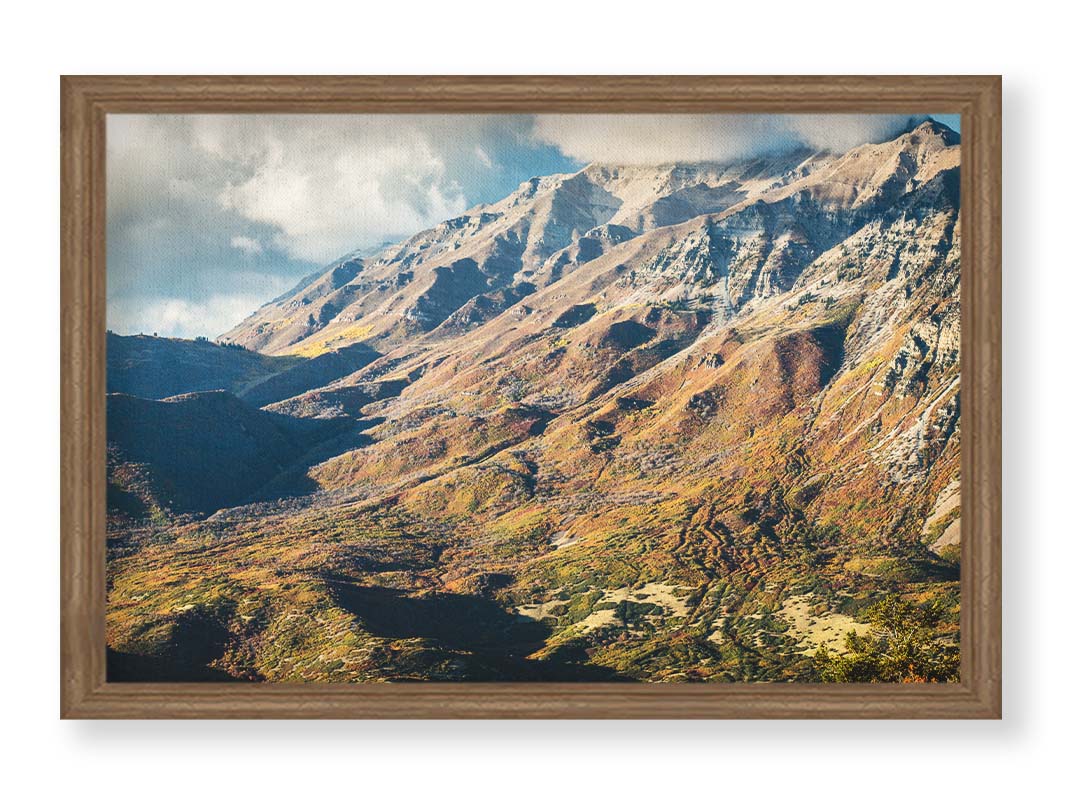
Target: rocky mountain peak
553,225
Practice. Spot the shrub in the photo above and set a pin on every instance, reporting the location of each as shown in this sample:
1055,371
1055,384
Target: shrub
903,648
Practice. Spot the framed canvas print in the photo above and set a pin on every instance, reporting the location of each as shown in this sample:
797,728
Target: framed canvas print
531,397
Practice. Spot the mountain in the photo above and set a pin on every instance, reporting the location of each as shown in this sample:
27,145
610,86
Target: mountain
685,422
155,367
199,452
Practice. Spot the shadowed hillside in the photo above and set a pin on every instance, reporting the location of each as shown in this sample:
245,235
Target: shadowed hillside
204,451
153,367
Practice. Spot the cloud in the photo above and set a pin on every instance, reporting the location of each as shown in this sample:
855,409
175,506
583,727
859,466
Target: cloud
179,316
840,132
246,244
664,138
318,185
327,187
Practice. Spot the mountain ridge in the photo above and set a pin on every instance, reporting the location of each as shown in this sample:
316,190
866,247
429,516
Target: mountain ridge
502,245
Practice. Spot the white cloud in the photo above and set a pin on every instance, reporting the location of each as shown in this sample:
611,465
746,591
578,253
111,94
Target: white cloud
179,317
329,184
483,157
326,194
325,184
247,244
841,132
179,314
664,138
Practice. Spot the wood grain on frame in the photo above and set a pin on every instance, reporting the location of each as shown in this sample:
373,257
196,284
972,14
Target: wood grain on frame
85,102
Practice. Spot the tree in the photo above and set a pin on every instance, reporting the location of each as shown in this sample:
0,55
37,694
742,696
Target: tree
903,647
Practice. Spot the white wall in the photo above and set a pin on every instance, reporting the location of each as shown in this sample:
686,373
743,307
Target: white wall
1019,39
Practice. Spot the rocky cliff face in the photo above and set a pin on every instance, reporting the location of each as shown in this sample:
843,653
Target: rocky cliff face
674,423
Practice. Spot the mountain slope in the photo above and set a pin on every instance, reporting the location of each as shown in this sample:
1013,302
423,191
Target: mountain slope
155,367
203,451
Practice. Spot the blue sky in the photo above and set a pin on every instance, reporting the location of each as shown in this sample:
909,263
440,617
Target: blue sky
211,216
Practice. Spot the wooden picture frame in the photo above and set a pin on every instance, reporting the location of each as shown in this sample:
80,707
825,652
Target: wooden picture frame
86,100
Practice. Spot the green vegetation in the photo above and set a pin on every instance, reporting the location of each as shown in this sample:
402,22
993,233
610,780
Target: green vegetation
903,647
